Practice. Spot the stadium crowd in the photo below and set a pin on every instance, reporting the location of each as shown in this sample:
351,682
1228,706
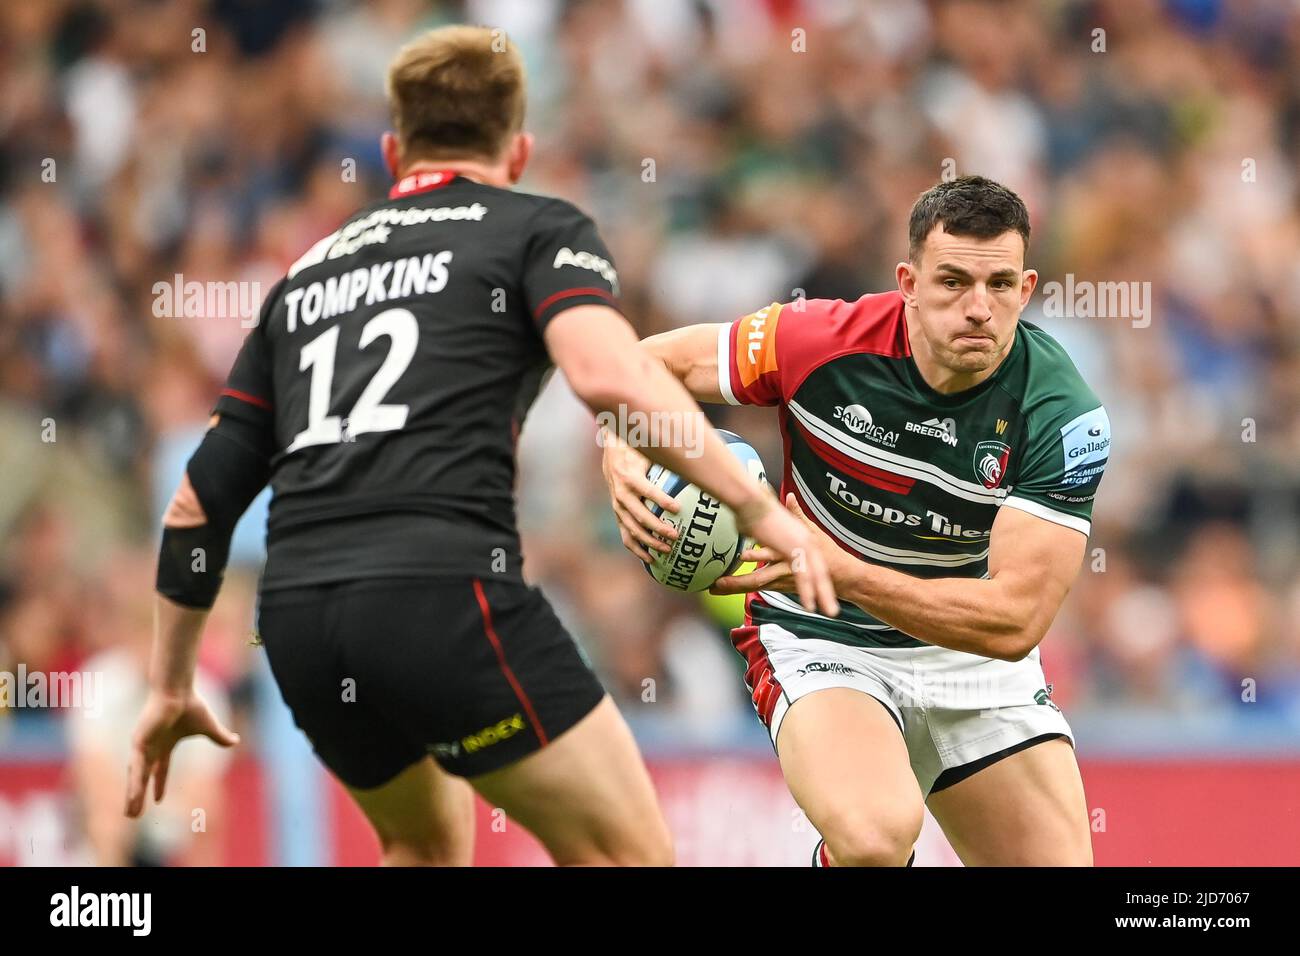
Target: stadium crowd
733,152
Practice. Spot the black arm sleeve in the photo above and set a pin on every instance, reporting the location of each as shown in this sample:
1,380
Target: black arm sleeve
566,264
232,464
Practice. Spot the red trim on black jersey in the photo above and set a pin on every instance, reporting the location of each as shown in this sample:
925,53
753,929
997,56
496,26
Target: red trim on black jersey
421,182
501,660
245,397
552,299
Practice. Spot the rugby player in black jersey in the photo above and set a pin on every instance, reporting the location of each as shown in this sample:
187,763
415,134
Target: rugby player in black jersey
381,395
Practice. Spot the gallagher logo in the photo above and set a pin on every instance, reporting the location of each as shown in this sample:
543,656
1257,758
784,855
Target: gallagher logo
990,462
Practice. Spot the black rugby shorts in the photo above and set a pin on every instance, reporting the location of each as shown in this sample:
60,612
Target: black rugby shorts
378,673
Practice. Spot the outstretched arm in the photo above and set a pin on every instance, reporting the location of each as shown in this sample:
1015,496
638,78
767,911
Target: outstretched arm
226,473
1032,563
691,356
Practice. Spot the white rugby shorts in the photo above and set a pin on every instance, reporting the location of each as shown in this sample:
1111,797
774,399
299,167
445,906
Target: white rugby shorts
954,709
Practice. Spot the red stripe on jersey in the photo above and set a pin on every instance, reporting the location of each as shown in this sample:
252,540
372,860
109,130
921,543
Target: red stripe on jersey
867,474
761,680
501,660
421,183
551,299
245,397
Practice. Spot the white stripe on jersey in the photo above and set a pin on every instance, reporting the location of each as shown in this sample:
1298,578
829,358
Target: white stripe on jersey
785,603
1050,514
724,364
898,464
871,549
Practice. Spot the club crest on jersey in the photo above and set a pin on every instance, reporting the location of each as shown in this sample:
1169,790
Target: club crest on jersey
990,462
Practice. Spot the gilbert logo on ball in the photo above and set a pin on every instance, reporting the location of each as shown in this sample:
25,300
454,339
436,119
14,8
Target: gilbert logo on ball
709,544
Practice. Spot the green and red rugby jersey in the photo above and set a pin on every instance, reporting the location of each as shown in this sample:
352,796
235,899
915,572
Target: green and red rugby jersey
896,473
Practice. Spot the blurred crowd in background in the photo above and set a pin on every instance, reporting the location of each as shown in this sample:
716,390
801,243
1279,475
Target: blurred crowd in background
733,152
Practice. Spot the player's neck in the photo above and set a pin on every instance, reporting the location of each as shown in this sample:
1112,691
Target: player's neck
485,173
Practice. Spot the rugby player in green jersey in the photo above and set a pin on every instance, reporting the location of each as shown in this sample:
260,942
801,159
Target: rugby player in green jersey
947,455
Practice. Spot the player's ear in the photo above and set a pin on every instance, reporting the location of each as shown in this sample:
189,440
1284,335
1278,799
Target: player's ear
905,273
520,151
392,155
1028,282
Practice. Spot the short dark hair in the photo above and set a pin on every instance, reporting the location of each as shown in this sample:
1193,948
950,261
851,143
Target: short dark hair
966,206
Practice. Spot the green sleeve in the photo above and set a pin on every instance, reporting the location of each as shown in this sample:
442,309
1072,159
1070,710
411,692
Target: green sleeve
1063,465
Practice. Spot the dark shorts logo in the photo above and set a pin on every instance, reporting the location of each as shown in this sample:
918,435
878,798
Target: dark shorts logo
990,462
472,743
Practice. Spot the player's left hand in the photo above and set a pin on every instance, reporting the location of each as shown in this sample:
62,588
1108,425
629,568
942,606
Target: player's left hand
777,575
166,719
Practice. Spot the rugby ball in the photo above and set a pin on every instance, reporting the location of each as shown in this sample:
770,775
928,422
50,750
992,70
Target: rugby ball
708,544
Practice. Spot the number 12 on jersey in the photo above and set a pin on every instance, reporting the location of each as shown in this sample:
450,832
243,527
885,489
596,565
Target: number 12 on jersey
368,414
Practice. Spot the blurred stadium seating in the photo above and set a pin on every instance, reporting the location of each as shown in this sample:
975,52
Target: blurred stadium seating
733,152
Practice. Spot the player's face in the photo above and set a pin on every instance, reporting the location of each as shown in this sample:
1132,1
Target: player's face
968,294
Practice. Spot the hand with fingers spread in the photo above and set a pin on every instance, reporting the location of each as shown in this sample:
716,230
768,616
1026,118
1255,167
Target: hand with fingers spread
783,567
166,719
625,470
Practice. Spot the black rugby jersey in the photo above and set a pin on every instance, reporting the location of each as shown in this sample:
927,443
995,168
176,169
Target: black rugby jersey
395,364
